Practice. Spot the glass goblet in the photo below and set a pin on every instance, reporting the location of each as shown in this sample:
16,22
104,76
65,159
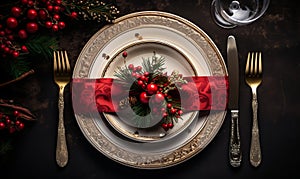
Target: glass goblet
232,13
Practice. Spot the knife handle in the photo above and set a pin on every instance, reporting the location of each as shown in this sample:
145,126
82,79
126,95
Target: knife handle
235,153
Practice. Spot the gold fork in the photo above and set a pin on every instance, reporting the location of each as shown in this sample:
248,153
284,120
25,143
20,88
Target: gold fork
62,75
253,77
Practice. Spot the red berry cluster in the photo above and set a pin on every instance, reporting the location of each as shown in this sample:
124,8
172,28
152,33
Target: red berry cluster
150,86
27,17
11,123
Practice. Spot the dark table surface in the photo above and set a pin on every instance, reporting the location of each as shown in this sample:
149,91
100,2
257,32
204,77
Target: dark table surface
276,34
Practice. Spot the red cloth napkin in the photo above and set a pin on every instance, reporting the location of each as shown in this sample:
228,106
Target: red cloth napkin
104,94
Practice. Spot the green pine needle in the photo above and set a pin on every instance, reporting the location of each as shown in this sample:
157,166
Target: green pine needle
18,67
42,45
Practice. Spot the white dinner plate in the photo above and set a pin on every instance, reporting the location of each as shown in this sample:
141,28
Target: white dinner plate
187,49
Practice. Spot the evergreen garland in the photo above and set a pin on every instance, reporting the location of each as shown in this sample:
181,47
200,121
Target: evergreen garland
28,36
28,28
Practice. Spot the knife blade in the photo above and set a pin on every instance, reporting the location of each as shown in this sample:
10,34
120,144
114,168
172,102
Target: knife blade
235,153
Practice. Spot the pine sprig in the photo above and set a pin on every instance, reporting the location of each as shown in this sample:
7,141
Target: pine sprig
143,116
42,45
18,67
154,66
93,10
147,80
124,74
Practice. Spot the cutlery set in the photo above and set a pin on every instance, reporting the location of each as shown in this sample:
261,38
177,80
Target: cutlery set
253,78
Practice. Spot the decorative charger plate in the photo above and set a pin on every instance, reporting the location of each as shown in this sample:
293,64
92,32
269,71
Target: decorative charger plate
144,35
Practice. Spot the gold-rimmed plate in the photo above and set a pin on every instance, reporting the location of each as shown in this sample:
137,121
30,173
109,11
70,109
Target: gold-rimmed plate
174,60
188,49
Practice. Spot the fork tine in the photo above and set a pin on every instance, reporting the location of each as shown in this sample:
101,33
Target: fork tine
62,62
247,69
260,64
68,68
256,64
252,67
55,61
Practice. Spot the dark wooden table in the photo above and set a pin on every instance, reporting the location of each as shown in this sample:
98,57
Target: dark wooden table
276,34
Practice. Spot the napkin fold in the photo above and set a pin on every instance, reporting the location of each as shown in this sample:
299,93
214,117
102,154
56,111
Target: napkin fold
105,94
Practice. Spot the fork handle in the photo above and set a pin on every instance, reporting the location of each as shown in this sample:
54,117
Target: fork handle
255,150
61,146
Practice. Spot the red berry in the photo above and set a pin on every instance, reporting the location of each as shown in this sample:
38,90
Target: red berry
32,27
179,112
24,2
58,2
42,14
130,66
140,82
138,68
11,22
165,114
2,125
22,34
8,122
173,110
169,105
50,8
124,54
144,98
55,27
61,25
165,126
15,54
16,11
56,17
17,122
56,8
152,88
32,14
48,24
133,74
30,3
170,125
146,73
73,15
6,49
21,126
137,75
2,48
143,78
24,49
16,113
159,97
